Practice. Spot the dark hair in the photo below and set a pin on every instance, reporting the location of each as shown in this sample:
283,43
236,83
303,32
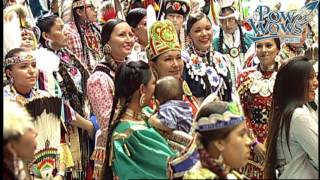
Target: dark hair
107,30
278,44
168,88
193,18
76,18
135,16
10,54
128,78
215,107
45,24
13,52
276,40
290,88
226,9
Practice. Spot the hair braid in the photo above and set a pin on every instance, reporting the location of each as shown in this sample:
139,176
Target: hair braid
243,45
220,49
83,41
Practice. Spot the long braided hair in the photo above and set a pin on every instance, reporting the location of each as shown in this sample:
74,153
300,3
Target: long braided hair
221,38
130,75
81,33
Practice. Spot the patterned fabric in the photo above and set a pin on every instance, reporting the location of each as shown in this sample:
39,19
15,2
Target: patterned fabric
138,53
231,41
202,173
256,109
92,53
176,115
100,89
286,52
163,38
82,3
69,82
138,151
74,82
74,40
184,162
177,140
206,73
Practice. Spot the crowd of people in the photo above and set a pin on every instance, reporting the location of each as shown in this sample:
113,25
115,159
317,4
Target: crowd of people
169,89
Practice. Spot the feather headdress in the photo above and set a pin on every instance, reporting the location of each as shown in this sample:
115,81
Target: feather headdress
16,120
46,112
14,17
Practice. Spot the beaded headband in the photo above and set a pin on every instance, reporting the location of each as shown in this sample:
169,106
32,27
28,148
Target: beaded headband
232,116
163,38
18,59
82,3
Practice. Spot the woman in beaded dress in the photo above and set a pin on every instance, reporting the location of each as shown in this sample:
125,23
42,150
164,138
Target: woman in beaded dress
205,71
255,87
65,76
223,142
117,40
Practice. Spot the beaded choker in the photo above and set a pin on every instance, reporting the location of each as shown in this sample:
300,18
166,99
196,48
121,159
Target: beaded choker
137,116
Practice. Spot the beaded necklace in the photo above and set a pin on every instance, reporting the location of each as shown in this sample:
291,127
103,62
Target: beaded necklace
23,99
201,66
262,83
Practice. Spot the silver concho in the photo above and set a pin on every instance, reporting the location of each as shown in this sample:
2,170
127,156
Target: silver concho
255,87
265,92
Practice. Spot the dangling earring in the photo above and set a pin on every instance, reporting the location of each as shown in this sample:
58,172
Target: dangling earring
11,80
220,159
142,98
48,43
107,49
15,163
155,73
